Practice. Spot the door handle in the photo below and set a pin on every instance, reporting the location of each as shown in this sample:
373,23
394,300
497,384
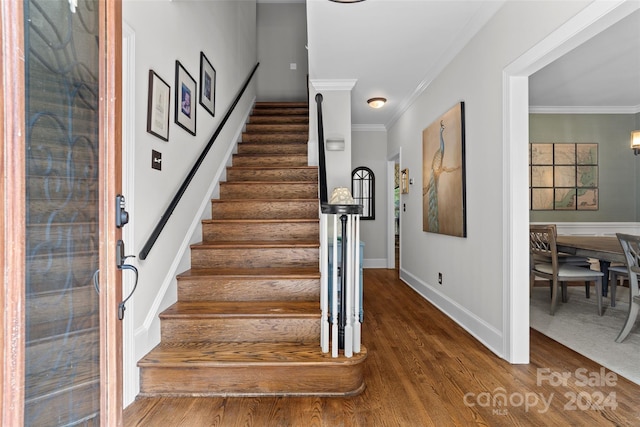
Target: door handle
120,263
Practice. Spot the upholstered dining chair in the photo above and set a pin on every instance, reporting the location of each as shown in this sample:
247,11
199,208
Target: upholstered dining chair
545,264
631,246
564,258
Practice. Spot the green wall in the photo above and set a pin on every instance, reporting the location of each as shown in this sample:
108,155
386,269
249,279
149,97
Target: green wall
619,192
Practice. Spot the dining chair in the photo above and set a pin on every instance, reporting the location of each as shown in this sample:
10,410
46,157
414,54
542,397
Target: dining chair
545,264
616,273
564,258
631,247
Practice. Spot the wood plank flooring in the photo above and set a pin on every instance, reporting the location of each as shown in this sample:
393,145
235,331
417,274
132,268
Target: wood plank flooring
424,370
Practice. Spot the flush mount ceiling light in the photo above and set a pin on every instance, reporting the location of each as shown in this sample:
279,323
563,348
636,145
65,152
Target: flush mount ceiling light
376,102
346,1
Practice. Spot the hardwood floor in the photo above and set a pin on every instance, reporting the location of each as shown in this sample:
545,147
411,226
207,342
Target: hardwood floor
424,370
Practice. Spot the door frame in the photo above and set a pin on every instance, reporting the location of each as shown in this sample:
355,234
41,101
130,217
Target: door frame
12,212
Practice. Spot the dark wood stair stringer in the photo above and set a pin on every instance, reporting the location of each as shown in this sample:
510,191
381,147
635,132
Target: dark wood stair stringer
247,319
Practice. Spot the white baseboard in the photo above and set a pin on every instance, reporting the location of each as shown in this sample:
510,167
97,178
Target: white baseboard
489,336
374,263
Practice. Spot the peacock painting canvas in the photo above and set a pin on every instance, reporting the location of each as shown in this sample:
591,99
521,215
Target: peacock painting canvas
443,175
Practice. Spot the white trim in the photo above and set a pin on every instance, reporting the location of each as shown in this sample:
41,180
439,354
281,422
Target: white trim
130,370
594,18
515,302
332,84
368,128
634,109
481,330
374,263
153,312
595,228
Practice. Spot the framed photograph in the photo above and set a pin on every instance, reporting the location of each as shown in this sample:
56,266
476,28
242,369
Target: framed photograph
207,85
186,89
443,174
158,107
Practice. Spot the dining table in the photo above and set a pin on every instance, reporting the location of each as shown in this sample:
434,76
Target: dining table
606,249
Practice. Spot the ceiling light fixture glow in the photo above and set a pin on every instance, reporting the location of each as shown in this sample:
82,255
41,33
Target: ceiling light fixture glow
376,102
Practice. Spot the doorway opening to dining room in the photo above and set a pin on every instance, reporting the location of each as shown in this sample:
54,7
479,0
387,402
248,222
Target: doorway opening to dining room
594,19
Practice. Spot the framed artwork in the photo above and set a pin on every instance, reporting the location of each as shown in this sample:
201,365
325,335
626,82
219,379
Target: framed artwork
404,181
158,107
185,115
563,176
207,85
443,174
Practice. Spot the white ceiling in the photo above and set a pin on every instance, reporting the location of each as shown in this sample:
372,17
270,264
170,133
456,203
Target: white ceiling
601,75
393,48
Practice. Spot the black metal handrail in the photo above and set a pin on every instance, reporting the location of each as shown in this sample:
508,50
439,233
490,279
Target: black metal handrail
325,207
322,165
165,217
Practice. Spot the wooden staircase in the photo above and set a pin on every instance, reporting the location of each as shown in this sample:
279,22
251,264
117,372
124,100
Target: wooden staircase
247,320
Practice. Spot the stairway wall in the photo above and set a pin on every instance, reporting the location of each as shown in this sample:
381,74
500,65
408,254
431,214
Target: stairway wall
230,46
147,331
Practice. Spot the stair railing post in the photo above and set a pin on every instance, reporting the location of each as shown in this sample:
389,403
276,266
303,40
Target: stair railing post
357,289
334,291
342,317
348,281
324,285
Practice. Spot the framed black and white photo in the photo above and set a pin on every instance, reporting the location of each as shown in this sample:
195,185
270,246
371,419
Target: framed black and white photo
186,89
158,107
207,85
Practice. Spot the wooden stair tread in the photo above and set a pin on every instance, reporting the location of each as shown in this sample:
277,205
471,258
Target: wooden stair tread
266,273
267,155
278,183
242,309
204,354
265,200
281,104
244,244
260,221
270,167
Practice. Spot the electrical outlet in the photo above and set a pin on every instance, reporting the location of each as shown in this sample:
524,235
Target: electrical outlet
440,278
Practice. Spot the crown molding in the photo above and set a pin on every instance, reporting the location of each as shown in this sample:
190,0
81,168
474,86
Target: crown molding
368,128
333,84
539,109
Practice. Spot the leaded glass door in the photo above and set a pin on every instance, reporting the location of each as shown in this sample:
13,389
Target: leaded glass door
70,283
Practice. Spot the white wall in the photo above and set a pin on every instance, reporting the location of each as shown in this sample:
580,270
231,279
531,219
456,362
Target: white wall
164,32
336,118
282,37
473,268
369,149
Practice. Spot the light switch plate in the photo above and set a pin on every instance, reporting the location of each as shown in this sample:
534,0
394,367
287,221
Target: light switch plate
156,160
293,66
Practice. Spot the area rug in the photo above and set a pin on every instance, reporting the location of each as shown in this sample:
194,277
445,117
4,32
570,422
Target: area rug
577,325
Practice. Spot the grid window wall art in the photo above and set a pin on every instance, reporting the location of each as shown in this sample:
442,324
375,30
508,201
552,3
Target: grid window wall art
563,176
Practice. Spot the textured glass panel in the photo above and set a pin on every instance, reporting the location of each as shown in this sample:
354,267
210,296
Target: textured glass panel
62,384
